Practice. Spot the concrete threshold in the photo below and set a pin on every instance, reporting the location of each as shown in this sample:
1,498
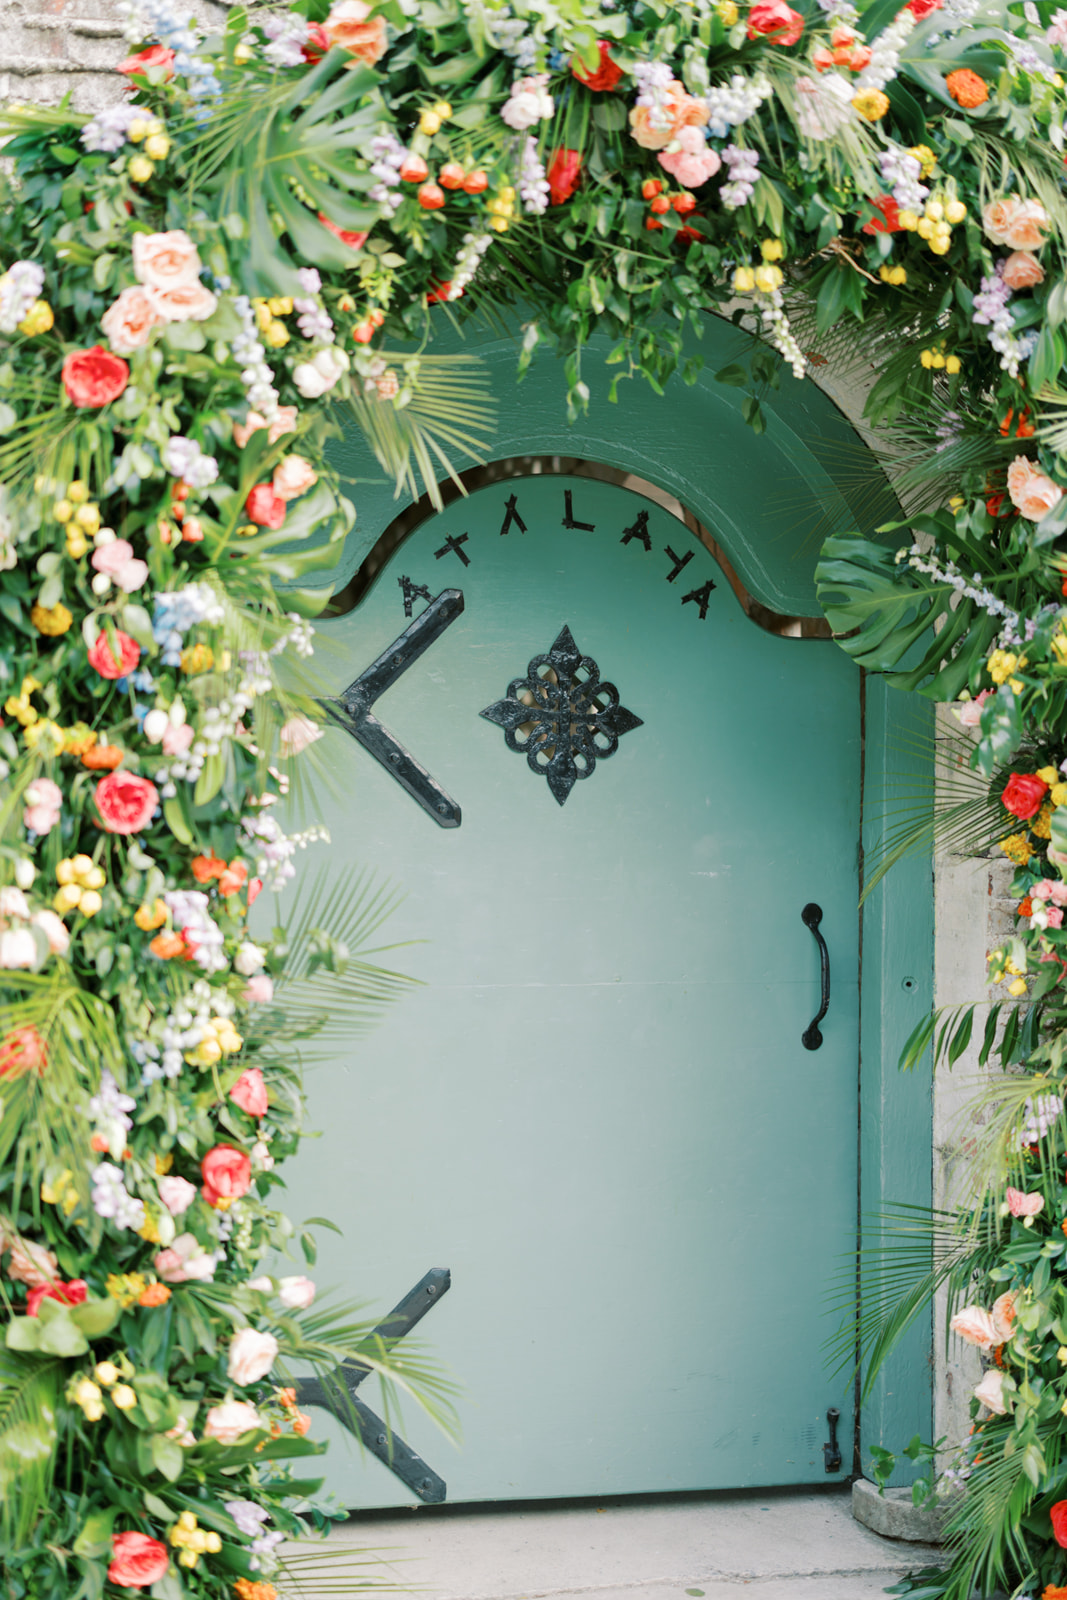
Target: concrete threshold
756,1545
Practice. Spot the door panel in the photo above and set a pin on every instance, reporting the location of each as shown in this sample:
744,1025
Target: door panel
598,1111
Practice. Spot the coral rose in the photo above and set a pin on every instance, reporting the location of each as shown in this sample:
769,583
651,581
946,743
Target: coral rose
564,170
1023,796
187,302
603,77
21,1051
125,802
351,26
1020,1204
967,88
693,163
227,1174
1058,1518
103,658
293,476
997,217
157,55
30,1263
250,1093
1031,492
991,1392
975,1325
165,260
680,108
129,320
228,1421
94,377
68,1294
1022,270
776,21
265,507
252,1355
136,1560
284,422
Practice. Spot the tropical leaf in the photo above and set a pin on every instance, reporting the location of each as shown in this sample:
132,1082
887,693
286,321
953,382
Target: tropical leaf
29,1392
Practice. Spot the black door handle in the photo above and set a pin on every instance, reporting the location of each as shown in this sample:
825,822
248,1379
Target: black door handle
811,916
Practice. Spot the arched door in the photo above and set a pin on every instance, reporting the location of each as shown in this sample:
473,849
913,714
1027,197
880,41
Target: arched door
598,1110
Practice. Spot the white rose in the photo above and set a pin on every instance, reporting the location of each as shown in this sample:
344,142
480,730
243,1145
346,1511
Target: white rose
309,381
155,725
296,1294
252,1355
262,1285
18,948
228,1421
54,930
249,958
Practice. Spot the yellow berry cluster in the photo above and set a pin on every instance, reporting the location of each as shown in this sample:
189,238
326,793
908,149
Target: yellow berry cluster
1002,664
61,1192
85,1393
80,881
766,277
192,1541
18,705
939,214
1007,968
79,516
219,1038
726,11
268,319
431,118
501,208
934,358
151,133
894,275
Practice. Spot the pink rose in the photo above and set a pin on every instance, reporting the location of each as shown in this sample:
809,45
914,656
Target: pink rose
186,1261
975,1326
284,422
259,990
176,741
230,1420
252,1355
189,302
165,260
250,1093
102,657
177,1194
991,1392
296,735
227,1174
125,802
1054,917
129,321
351,26
44,800
136,1560
969,712
997,218
292,476
1021,270
693,163
1024,1205
1003,1316
1032,493
296,1294
54,930
111,558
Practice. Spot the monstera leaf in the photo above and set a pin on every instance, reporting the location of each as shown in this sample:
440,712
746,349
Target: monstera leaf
884,614
28,1395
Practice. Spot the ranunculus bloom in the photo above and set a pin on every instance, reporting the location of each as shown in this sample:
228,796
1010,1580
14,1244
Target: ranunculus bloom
227,1174
129,320
354,241
250,1093
187,302
68,1294
1023,796
260,989
136,1560
296,735
44,800
228,1421
603,77
104,660
94,377
126,802
775,21
157,55
23,1050
265,507
1058,1517
165,260
694,162
991,1392
252,1355
564,170
1021,270
1024,1205
177,1194
186,1261
293,476
967,88
351,26
1003,1316
284,422
31,1263
296,1294
1032,493
975,1325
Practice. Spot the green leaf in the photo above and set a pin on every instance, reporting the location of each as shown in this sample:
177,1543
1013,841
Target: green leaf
96,1317
210,780
174,816
95,1536
167,1457
58,1334
28,1432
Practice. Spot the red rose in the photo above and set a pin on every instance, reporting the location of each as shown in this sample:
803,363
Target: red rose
354,241
103,658
136,1560
94,377
126,802
157,55
564,170
922,8
265,507
1023,794
227,1174
606,75
317,43
22,1050
1058,1515
889,221
68,1294
250,1093
775,21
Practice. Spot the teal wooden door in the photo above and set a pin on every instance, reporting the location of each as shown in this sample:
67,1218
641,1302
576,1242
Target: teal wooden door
598,1111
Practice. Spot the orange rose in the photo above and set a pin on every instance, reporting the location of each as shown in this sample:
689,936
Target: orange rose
997,218
1032,493
1022,270
351,26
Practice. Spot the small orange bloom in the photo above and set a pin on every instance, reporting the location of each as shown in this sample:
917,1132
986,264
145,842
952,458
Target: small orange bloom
99,1143
156,1294
167,945
1054,1591
151,916
207,867
103,757
1063,1226
246,1589
287,1397
301,1424
233,878
1025,908
967,88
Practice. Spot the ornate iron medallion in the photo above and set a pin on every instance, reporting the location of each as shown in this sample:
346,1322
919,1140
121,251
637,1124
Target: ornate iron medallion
561,717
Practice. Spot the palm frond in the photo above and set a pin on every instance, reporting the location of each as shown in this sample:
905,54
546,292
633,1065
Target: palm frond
29,1392
448,407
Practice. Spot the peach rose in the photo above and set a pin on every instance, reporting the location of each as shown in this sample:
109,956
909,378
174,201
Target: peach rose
1003,1316
975,1326
252,1355
187,302
165,260
1032,493
228,1421
997,218
1024,1205
1026,230
351,26
31,1264
284,422
991,1392
292,476
129,320
1022,270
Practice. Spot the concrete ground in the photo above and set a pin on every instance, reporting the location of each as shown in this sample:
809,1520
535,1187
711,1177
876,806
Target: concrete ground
759,1545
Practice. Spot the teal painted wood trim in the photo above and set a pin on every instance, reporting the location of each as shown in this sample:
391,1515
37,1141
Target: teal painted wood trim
896,1108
